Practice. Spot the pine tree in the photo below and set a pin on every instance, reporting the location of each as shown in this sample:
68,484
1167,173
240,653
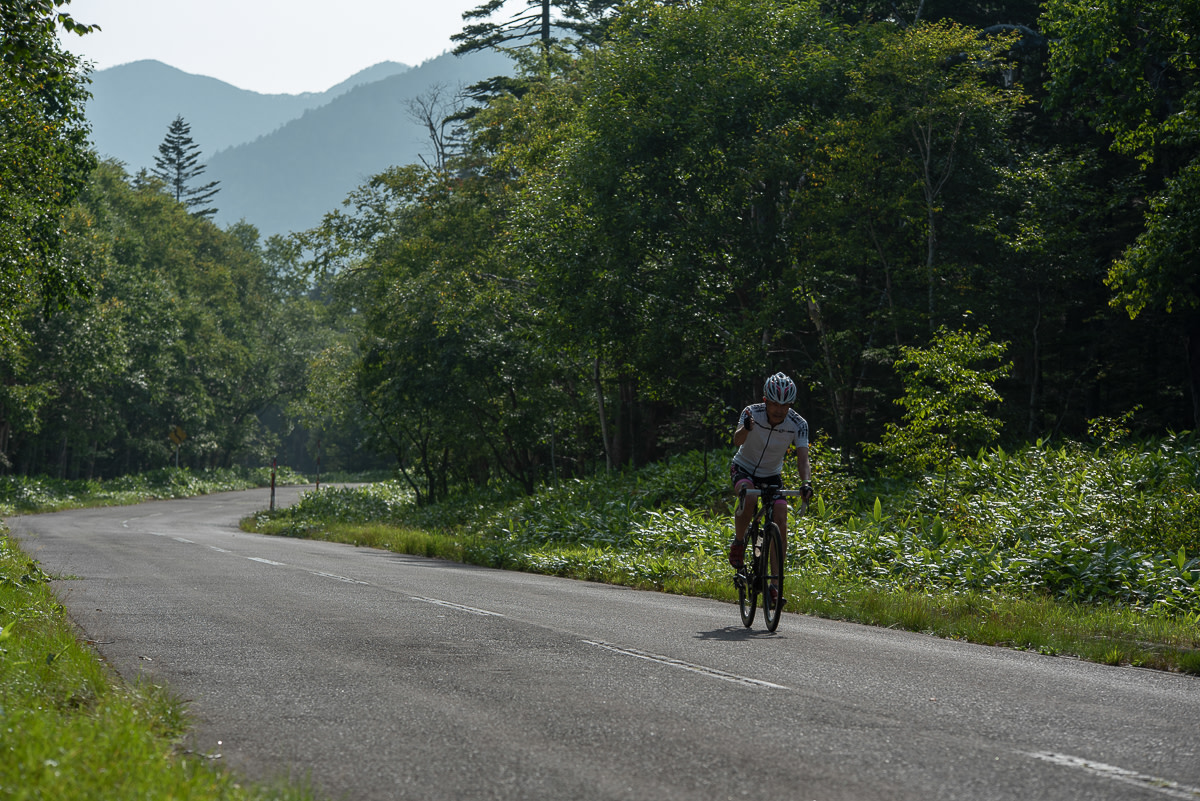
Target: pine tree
176,166
585,19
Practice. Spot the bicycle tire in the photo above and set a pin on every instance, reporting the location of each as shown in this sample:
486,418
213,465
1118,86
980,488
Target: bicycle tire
746,581
772,576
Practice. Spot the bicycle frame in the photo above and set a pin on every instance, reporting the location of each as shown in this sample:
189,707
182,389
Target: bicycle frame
762,571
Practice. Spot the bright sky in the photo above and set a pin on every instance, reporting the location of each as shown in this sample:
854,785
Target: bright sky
269,46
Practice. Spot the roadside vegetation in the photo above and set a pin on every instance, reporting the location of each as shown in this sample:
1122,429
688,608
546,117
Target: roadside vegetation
1085,550
31,494
69,728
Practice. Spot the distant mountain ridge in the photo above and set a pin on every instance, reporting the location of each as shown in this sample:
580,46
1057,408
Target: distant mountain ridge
283,161
132,105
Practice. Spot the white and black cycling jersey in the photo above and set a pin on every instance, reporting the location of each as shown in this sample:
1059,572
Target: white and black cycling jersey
762,453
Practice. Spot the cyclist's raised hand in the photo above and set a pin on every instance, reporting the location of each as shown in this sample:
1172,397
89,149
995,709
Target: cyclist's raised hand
748,421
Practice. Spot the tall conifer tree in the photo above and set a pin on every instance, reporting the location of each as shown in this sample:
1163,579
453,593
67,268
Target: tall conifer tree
177,165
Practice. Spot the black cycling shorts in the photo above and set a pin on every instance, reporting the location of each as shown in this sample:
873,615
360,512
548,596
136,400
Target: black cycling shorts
737,473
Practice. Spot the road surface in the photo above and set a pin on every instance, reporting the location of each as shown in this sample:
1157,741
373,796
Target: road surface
382,676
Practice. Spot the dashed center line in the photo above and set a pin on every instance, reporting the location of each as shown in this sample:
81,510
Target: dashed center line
321,573
460,607
688,666
1162,786
346,579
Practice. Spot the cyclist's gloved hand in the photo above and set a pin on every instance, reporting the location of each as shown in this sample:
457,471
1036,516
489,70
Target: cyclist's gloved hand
748,422
806,491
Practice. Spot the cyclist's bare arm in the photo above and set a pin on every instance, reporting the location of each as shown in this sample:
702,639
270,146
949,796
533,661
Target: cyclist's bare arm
745,423
802,465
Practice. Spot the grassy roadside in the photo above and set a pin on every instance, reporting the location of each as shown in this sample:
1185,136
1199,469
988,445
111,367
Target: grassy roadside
71,730
1106,634
1032,550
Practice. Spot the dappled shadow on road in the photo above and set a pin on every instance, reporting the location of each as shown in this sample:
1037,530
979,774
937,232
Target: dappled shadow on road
735,634
420,559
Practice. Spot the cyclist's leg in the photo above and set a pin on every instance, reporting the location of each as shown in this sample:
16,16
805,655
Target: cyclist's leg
742,518
780,517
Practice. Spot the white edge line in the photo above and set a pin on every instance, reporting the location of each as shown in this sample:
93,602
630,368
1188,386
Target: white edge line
1162,786
676,663
265,561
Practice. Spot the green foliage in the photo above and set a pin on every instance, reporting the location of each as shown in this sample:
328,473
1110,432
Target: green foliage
186,326
947,399
44,161
1128,68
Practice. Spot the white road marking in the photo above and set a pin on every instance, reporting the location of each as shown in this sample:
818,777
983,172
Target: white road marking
346,579
1163,786
336,576
460,607
693,668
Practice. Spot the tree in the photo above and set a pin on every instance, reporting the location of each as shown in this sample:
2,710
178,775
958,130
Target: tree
176,165
186,325
446,375
948,389
45,164
1129,68
586,19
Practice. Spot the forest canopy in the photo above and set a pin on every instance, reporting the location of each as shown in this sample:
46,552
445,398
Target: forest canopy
616,247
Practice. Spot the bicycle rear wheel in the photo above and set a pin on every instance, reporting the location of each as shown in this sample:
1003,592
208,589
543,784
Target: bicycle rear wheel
746,582
772,578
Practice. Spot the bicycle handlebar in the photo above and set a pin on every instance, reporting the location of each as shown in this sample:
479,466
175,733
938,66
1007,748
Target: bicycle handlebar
754,492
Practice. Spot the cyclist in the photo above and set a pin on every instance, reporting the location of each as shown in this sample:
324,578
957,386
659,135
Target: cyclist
765,432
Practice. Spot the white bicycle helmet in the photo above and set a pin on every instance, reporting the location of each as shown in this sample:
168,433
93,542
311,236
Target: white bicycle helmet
780,389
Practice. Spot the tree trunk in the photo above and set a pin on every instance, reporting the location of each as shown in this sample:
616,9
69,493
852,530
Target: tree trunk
608,462
1035,370
1193,358
62,458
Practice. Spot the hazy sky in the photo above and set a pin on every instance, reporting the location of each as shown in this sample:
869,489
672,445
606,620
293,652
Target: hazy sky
270,46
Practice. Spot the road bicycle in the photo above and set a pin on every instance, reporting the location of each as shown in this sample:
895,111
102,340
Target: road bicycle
761,572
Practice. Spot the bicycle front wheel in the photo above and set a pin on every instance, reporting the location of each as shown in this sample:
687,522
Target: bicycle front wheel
747,596
746,581
772,590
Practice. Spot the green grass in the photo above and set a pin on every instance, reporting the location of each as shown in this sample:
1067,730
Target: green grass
1073,551
70,731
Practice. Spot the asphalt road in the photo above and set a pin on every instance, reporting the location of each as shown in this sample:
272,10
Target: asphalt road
382,676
